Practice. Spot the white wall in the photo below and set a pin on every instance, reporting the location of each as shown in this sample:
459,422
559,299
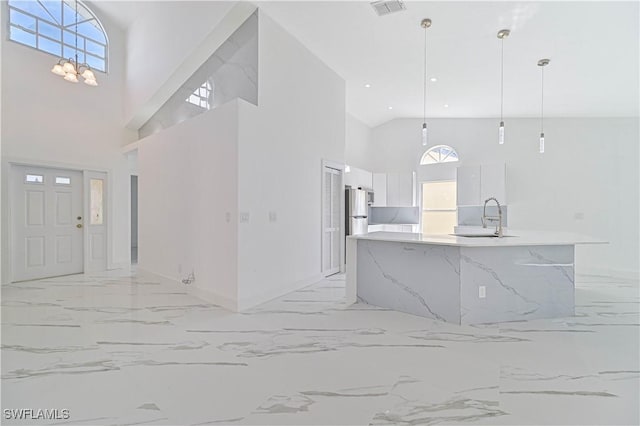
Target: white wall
188,197
160,40
53,122
589,170
358,144
300,120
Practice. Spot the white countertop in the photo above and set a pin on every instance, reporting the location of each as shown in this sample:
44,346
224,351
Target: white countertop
515,238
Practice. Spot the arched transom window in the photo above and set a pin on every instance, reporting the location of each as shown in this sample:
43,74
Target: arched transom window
439,154
50,26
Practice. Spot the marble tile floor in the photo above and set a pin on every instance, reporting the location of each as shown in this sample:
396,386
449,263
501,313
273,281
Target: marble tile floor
127,348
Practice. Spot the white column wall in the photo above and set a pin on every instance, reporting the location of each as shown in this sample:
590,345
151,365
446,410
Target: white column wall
188,196
300,120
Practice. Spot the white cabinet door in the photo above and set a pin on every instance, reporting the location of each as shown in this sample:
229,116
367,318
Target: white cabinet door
380,189
468,185
400,189
393,189
492,178
358,178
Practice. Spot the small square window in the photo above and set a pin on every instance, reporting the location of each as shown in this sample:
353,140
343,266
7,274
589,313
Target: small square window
63,180
34,179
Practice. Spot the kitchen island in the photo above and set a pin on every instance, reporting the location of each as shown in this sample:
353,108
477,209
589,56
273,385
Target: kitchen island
465,280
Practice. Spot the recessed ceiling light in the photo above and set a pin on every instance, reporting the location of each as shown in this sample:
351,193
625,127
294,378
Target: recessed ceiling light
390,107
367,85
446,105
433,79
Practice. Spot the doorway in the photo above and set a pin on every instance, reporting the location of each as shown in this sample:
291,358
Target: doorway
332,219
47,220
439,209
134,219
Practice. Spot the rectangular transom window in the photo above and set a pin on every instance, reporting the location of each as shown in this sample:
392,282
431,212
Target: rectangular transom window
34,178
63,180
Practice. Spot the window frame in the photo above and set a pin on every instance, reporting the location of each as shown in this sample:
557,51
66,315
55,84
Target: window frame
62,28
437,148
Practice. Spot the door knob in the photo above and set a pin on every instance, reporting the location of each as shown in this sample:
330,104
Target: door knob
79,225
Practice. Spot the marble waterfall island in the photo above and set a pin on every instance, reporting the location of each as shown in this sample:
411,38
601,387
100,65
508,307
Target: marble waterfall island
465,280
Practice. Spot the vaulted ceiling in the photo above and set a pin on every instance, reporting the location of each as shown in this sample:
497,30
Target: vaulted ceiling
593,47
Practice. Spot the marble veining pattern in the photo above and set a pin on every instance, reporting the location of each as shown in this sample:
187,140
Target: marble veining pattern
127,348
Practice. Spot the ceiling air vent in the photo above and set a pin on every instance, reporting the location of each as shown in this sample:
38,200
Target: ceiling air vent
385,7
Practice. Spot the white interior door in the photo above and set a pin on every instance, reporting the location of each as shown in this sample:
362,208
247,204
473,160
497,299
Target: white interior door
96,223
332,220
47,219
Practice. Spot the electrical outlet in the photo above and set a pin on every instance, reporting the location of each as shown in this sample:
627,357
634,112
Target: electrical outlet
244,217
227,217
273,217
482,292
578,216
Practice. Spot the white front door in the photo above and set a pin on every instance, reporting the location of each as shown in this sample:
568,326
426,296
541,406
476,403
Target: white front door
47,220
332,220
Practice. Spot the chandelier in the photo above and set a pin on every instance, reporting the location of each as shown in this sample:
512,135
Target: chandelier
70,69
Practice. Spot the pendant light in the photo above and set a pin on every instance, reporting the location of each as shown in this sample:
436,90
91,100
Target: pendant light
425,23
542,63
70,69
502,34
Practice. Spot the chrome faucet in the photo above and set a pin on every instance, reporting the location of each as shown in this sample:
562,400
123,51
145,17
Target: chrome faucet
498,219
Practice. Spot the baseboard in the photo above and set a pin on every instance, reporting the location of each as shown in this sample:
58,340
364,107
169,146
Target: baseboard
250,302
627,274
118,265
212,297
194,290
164,277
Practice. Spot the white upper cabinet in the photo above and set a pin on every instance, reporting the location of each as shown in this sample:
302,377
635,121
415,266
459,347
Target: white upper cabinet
493,182
468,185
477,183
380,189
358,178
394,189
400,189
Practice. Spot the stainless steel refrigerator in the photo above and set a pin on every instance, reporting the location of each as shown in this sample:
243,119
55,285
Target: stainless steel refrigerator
356,211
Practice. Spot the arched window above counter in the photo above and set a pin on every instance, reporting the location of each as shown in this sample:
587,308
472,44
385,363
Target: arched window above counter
439,154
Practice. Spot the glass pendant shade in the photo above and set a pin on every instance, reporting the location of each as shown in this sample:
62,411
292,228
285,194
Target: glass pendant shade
541,143
501,133
90,82
88,75
71,77
424,134
57,70
68,67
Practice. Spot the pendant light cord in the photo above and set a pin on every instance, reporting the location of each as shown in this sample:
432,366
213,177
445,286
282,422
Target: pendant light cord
501,79
77,64
542,103
424,94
